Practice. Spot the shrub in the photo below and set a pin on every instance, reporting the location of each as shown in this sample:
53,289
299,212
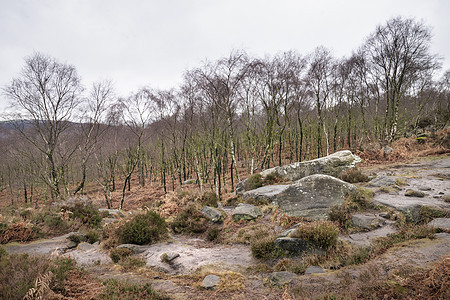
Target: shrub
18,273
263,246
213,234
353,175
87,213
117,254
143,229
272,178
209,199
20,232
253,182
323,234
92,236
189,220
77,238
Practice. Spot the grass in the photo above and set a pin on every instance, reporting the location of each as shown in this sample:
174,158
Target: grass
353,175
354,201
323,234
262,245
115,290
118,254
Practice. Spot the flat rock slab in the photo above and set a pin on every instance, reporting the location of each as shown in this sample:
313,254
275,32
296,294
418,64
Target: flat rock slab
313,196
365,238
56,245
265,193
88,256
314,270
409,205
443,223
193,255
136,249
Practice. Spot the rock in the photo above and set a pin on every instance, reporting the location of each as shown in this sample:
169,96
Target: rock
281,278
443,223
381,181
213,214
387,150
210,281
367,222
425,188
298,246
314,270
83,246
268,193
246,212
312,196
241,187
414,193
332,165
364,239
136,249
189,181
169,256
112,212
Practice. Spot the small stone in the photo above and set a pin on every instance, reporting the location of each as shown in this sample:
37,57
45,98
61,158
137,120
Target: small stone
281,278
314,270
368,222
414,193
213,214
384,215
210,281
424,188
169,256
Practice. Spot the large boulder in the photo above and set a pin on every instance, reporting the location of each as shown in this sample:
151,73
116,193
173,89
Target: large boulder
264,193
313,196
331,165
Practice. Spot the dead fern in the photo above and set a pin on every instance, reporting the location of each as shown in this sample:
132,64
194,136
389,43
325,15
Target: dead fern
41,289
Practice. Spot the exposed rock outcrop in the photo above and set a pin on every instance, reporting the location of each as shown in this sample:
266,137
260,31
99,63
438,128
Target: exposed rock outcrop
312,196
331,165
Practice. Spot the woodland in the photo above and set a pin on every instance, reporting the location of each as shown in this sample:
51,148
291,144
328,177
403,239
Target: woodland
230,118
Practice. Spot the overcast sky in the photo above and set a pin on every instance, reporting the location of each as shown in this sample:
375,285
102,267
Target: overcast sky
137,43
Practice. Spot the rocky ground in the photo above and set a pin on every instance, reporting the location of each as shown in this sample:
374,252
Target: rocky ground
405,187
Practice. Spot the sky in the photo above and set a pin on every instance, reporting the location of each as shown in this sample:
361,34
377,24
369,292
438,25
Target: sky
138,43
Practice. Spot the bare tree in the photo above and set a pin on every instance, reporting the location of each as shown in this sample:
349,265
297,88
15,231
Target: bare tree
45,96
398,52
92,123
